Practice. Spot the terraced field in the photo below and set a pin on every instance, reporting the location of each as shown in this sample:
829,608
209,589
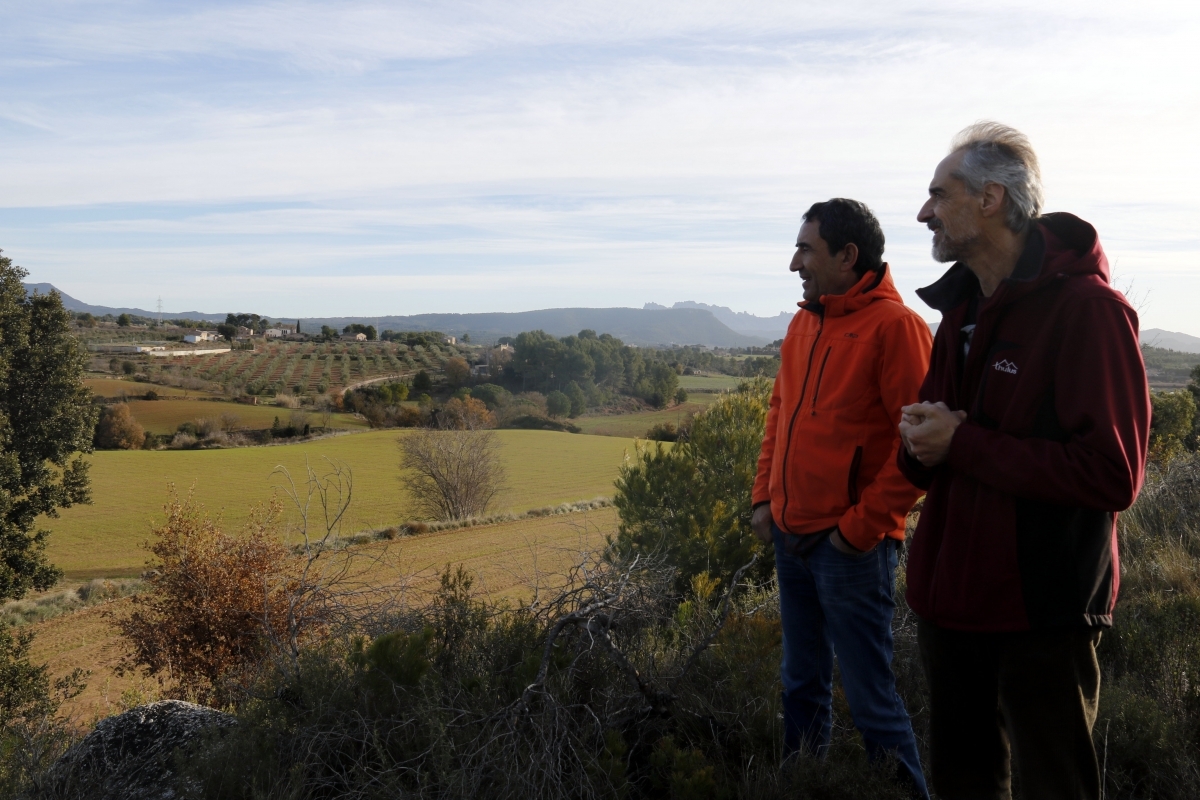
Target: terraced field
130,487
312,367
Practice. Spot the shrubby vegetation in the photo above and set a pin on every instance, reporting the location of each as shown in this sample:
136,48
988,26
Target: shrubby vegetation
690,503
199,626
592,370
46,423
1175,426
118,430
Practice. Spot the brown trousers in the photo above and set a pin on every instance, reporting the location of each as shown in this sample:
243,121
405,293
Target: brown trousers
1034,693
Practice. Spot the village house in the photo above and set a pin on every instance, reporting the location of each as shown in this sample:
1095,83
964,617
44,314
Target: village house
353,337
450,340
192,337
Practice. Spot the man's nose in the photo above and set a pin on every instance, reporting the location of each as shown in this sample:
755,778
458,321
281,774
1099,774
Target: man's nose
926,212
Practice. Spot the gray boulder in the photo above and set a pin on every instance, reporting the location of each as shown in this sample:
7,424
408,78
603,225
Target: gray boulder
131,756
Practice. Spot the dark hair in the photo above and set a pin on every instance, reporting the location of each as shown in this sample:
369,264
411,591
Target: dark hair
843,221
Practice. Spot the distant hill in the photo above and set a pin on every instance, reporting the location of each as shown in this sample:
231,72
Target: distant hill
741,321
71,304
645,327
1169,340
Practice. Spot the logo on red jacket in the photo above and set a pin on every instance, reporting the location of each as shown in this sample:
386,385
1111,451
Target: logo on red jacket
1004,365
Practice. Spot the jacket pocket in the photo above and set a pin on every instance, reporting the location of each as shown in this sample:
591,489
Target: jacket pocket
852,481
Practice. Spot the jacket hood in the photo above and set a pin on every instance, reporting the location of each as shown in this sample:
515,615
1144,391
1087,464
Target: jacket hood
1069,247
872,286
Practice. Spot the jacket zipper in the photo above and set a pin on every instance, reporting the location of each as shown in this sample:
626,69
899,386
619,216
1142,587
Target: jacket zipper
792,424
820,374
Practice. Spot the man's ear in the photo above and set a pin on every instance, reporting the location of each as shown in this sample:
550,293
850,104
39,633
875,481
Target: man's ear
848,257
991,199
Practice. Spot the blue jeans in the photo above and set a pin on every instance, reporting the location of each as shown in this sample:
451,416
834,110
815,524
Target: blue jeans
833,602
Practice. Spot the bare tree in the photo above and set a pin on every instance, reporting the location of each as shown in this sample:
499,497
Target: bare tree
453,474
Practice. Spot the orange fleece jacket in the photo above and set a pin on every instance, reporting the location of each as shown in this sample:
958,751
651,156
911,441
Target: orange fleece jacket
849,363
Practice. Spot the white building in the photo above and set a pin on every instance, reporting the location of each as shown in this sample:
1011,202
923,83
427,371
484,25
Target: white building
353,337
275,333
200,336
450,340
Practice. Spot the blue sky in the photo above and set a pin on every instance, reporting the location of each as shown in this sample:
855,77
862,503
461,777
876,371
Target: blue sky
394,158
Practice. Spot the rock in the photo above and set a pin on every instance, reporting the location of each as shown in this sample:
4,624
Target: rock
130,756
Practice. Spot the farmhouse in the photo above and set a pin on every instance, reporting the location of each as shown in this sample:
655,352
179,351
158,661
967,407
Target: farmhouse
275,333
192,337
450,340
353,337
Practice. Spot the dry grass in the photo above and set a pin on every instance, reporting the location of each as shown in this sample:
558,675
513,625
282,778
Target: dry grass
503,559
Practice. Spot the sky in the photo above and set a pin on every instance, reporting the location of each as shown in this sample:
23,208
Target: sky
350,158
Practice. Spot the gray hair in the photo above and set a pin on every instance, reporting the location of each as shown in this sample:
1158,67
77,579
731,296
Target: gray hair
995,153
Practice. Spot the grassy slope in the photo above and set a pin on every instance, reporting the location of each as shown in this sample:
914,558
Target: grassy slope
129,487
502,558
115,387
636,425
165,416
709,383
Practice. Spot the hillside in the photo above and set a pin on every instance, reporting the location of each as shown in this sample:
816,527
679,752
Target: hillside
71,304
1169,340
639,326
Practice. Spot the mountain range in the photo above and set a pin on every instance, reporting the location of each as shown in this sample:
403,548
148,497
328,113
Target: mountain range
687,322
644,327
741,321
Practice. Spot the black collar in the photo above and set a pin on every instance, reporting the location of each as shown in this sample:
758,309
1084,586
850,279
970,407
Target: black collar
959,284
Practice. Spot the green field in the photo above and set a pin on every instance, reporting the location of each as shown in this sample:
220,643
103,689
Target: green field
130,487
635,425
115,387
709,383
165,416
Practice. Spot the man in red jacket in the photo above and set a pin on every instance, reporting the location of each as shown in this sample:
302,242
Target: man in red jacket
1029,437
829,494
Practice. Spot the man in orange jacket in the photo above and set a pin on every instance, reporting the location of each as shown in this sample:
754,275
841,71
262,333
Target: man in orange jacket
829,494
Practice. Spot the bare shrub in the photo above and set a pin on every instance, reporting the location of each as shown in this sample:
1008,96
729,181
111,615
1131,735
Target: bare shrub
285,400
297,420
183,441
230,422
199,625
118,430
207,426
454,473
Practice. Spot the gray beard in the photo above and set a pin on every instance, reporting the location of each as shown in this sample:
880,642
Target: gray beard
949,250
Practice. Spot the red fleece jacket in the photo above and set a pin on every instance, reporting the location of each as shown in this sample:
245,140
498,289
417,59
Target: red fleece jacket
1018,530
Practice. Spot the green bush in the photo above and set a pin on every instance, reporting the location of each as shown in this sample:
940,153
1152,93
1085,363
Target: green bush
691,502
492,395
558,404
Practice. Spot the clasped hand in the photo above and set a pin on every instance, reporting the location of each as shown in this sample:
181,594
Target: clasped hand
926,430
